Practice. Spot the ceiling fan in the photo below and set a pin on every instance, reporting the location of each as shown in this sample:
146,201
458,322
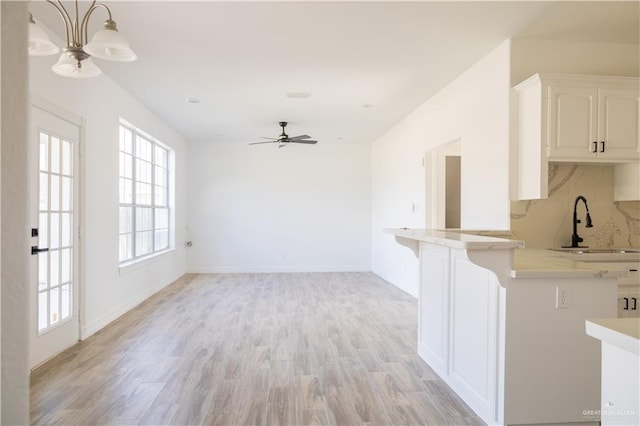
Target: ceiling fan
284,139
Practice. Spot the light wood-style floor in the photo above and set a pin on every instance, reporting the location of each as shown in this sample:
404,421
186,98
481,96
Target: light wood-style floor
253,349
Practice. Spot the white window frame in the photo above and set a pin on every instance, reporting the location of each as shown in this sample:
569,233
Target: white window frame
135,202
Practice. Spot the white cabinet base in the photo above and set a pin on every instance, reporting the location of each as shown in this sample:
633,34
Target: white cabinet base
620,386
502,345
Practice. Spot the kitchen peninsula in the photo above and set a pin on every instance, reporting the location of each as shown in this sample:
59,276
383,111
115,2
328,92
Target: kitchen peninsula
504,326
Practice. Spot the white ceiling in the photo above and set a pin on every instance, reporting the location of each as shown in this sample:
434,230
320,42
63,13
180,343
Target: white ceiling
365,64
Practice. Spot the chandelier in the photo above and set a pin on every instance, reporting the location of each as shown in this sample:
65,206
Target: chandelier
75,60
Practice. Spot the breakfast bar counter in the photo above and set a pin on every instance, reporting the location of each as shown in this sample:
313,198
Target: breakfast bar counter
503,326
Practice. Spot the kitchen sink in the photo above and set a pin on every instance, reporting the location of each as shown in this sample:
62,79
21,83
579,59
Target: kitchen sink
587,250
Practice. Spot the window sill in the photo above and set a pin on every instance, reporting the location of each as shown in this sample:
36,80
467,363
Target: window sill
142,262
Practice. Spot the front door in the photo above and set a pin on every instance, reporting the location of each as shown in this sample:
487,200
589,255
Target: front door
54,311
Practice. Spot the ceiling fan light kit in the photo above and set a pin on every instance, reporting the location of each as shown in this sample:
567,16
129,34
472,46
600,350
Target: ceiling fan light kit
75,60
284,139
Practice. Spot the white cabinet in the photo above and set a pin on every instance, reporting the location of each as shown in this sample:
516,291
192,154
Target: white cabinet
591,124
620,393
433,313
628,302
572,118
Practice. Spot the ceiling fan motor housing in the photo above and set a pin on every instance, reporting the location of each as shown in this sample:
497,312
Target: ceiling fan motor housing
283,135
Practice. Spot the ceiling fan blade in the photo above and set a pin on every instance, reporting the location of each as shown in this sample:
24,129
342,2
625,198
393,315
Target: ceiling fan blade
309,141
300,137
258,143
271,139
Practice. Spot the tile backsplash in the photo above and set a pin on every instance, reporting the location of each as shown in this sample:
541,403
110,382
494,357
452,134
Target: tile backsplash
548,223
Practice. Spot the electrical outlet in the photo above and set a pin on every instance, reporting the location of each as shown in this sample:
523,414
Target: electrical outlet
562,298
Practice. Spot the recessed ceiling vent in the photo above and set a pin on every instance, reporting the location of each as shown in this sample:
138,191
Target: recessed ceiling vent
298,95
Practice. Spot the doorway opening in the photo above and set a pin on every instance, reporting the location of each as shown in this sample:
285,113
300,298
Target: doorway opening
443,174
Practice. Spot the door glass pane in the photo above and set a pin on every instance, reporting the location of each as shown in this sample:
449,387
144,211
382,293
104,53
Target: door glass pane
43,311
65,302
67,158
54,268
65,265
54,306
66,235
44,152
43,271
43,191
55,192
55,155
67,194
54,241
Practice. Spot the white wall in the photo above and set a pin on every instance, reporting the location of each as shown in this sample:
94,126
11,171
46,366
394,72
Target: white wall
529,57
106,291
473,108
15,233
260,208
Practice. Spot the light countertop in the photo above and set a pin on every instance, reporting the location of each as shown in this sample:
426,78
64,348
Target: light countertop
621,332
540,263
527,263
455,239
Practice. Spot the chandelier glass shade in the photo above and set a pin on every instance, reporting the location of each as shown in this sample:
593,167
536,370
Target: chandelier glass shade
75,61
69,67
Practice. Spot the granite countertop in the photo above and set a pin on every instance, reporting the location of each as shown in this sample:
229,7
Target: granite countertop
455,239
621,332
526,263
541,263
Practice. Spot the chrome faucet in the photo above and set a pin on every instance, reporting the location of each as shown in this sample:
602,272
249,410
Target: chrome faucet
575,238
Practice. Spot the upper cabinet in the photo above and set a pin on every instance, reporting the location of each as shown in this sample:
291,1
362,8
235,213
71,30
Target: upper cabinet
571,118
592,124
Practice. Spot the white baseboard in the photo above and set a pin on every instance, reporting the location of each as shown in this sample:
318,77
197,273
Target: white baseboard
95,326
272,269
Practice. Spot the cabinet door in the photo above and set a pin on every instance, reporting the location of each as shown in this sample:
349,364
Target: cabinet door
629,304
433,303
618,120
623,304
634,304
572,123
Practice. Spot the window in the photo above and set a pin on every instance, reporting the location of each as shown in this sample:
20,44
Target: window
146,225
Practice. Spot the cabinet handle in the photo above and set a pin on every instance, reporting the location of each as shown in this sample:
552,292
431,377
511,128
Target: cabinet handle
626,304
635,303
595,146
602,146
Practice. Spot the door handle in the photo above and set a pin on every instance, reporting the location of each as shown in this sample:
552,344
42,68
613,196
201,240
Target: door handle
602,146
36,250
635,303
626,303
595,146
